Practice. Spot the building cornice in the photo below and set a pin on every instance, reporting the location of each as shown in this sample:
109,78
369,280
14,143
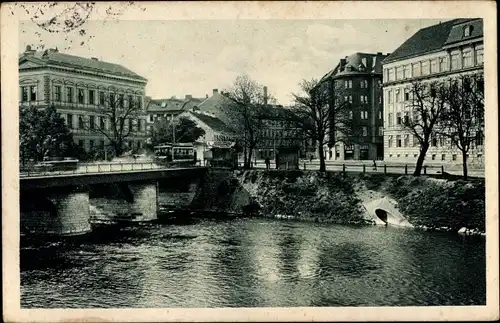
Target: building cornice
85,72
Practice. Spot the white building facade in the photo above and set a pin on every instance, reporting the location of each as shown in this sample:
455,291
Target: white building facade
436,53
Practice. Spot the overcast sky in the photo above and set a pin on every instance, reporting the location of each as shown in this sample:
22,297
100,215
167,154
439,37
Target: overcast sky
193,57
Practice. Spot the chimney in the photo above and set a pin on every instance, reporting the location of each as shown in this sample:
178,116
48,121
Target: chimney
206,96
379,53
388,54
94,58
29,50
214,91
265,95
189,96
342,63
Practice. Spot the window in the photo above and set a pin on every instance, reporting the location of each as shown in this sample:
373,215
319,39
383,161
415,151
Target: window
364,99
350,114
348,84
102,123
443,157
479,56
112,98
365,131
69,95
80,143
139,102
434,142
350,98
467,59
415,116
364,115
416,69
398,141
390,119
433,156
102,98
425,68
414,155
443,62
102,144
364,84
91,97
454,157
407,95
91,122
467,31
406,118
130,101
151,118
80,122
139,125
399,73
434,66
380,131
389,141
130,125
398,96
389,96
57,93
391,74
455,61
380,114
24,97
32,93
415,141
121,100
407,141
406,71
91,144
80,96
442,141
69,121
398,118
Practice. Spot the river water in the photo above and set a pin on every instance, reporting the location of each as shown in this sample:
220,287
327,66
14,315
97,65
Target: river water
254,263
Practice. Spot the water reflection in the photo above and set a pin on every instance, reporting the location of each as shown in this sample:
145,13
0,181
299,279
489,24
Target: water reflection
254,262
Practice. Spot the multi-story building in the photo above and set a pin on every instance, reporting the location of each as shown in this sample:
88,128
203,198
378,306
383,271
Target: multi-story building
436,53
159,108
357,81
82,90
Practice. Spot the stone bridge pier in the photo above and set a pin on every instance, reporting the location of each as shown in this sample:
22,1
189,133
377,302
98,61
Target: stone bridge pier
133,202
55,211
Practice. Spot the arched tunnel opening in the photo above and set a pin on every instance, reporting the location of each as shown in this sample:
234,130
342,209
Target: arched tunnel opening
382,215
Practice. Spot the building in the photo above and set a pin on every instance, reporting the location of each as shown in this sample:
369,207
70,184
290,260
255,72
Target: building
159,108
217,133
82,89
436,53
357,80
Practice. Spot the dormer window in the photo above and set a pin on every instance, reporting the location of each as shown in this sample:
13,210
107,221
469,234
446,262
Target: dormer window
348,68
467,31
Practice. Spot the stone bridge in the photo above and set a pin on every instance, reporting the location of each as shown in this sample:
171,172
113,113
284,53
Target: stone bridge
68,204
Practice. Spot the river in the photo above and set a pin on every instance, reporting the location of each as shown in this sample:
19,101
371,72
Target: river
254,263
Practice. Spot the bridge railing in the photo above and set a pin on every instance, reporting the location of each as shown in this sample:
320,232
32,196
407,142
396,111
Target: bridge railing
96,168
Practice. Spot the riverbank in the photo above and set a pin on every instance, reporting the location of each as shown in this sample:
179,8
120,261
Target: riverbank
427,203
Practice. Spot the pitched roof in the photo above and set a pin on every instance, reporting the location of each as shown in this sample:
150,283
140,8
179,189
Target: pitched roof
425,40
215,123
52,56
172,104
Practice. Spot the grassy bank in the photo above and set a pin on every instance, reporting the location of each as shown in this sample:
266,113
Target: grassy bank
312,196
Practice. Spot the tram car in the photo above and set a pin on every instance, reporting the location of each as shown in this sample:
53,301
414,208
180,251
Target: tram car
183,153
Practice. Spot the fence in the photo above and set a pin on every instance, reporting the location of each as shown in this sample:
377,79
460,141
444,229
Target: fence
95,168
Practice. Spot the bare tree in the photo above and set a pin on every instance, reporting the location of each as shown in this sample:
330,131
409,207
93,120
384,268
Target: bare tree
463,120
245,111
321,114
119,117
427,104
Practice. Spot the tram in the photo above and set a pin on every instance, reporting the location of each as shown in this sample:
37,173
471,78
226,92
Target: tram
183,152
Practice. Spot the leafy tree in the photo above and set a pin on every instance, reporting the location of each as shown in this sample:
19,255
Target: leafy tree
245,111
43,133
118,119
185,130
321,113
463,119
427,103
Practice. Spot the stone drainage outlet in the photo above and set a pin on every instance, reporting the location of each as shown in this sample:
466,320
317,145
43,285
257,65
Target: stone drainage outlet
384,211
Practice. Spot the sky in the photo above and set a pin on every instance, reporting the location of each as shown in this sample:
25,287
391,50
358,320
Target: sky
195,56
